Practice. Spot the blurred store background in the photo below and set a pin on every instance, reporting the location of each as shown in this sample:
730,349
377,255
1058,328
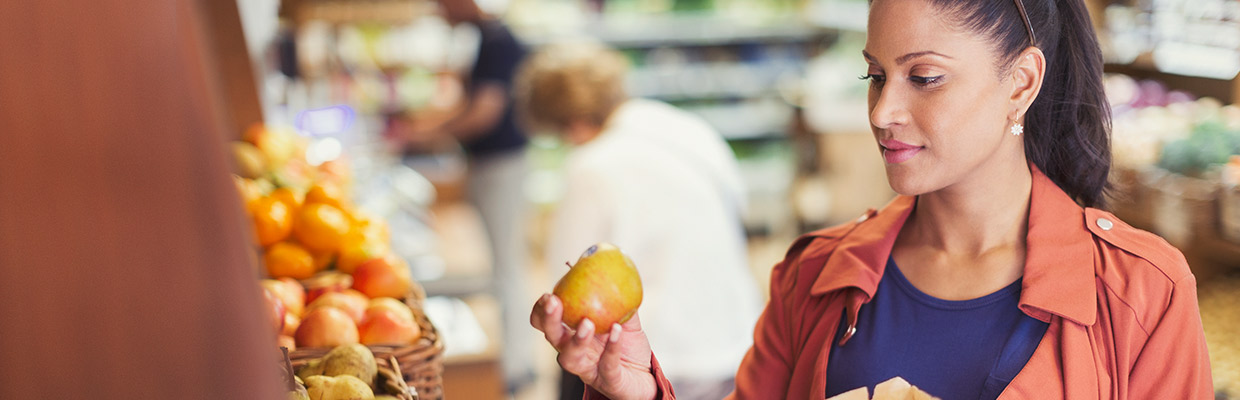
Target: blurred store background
775,78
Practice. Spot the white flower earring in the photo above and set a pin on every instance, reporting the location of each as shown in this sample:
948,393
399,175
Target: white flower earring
1017,129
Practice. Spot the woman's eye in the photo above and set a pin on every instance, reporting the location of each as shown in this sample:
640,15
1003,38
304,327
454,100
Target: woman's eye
925,80
875,79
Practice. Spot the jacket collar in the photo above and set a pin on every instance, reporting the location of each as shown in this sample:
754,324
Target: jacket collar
1059,263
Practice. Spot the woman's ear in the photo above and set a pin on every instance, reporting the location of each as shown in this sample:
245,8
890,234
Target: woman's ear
1027,74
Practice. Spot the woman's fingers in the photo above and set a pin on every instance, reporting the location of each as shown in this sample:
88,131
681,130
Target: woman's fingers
610,362
546,318
579,352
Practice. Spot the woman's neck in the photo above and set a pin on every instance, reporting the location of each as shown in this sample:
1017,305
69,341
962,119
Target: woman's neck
987,210
968,240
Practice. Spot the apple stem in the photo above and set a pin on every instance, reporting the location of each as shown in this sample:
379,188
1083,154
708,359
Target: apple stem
570,266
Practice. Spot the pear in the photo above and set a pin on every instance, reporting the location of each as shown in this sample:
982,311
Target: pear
344,387
351,359
603,286
299,392
314,367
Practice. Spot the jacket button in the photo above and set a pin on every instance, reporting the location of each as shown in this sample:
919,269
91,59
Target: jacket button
1105,224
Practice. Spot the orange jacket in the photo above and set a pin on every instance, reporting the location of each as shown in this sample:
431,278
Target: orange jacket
1121,304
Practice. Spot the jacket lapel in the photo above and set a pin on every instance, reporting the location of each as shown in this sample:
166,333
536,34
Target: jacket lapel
860,257
1059,260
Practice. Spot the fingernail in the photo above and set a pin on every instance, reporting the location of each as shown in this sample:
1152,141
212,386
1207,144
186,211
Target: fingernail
615,333
586,328
547,303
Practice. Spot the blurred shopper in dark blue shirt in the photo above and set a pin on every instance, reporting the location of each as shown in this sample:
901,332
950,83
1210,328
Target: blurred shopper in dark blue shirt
494,145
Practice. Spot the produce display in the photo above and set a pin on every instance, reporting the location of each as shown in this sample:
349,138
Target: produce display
330,277
1156,126
602,286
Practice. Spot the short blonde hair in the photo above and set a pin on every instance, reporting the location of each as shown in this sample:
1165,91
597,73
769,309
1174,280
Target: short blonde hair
567,82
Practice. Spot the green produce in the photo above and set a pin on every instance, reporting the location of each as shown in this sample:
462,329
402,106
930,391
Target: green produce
1210,144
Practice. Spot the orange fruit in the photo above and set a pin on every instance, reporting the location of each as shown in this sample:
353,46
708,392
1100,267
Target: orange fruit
358,249
321,227
370,228
322,260
286,259
326,193
289,197
273,220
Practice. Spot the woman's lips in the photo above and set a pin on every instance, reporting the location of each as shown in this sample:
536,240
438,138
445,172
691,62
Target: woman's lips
895,151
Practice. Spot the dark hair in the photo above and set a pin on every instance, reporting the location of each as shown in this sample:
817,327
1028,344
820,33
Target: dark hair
1068,127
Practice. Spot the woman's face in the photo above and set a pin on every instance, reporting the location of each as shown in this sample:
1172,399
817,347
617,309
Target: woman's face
938,106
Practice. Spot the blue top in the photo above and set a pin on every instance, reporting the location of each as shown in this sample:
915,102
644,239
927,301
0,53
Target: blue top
967,349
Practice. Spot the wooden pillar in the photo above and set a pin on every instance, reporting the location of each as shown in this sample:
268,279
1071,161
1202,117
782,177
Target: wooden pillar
230,58
126,266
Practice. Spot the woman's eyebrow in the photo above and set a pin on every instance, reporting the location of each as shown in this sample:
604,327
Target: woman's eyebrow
907,57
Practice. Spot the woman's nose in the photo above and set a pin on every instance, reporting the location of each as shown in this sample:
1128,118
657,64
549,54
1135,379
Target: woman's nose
887,107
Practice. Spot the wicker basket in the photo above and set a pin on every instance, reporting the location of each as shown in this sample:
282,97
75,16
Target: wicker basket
1229,213
1132,197
421,363
1182,209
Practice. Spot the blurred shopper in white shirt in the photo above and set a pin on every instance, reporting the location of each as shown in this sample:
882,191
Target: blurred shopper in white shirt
663,186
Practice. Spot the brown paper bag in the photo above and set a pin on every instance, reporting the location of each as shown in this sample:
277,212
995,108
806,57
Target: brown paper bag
893,389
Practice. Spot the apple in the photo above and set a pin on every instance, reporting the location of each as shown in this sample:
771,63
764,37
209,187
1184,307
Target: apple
326,282
290,293
388,303
385,326
291,322
275,309
296,290
350,301
387,276
314,294
326,327
287,341
603,286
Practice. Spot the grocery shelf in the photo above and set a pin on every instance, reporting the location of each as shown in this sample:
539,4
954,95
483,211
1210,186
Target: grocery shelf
1225,90
392,12
685,30
747,121
457,286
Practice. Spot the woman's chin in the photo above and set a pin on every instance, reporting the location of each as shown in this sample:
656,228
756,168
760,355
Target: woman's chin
906,182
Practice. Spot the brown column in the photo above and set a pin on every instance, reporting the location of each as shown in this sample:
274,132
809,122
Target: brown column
125,268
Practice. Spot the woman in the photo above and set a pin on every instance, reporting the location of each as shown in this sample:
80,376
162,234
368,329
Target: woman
993,125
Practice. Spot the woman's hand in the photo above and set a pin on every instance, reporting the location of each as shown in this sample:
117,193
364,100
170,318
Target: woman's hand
615,362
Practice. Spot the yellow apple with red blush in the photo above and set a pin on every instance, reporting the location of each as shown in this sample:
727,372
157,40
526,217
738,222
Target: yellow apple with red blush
387,276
